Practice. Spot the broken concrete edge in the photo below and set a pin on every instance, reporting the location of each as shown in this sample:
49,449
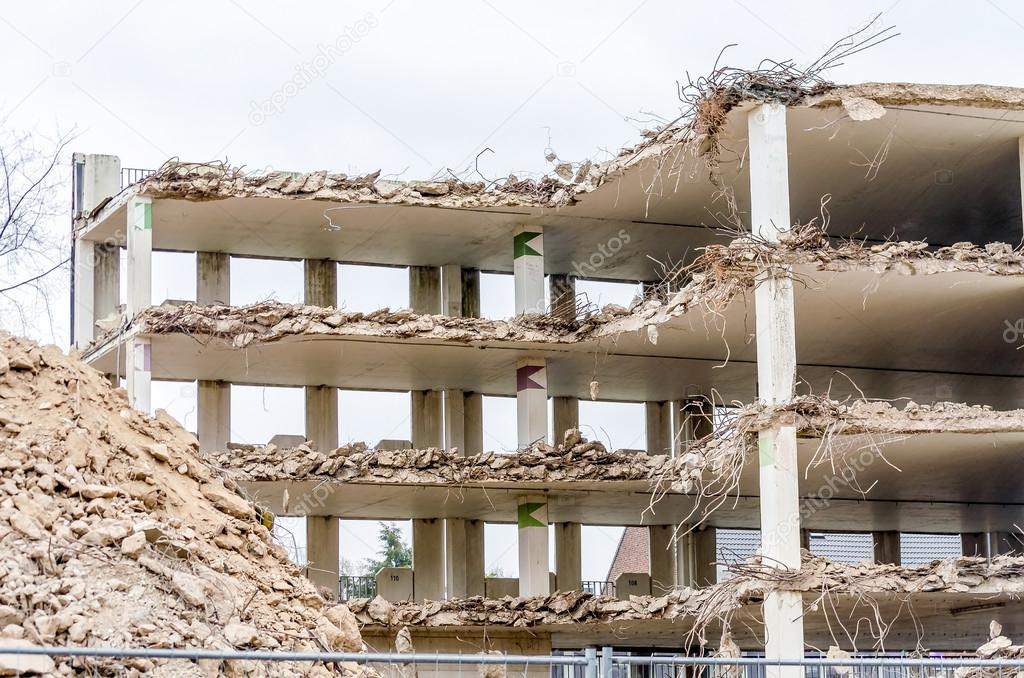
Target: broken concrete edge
708,285
750,583
199,181
574,460
707,466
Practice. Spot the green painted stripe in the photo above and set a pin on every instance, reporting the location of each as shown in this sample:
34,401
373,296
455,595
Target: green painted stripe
765,451
521,246
526,517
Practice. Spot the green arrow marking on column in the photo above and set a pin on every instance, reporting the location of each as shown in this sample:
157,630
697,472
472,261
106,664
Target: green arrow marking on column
521,245
526,517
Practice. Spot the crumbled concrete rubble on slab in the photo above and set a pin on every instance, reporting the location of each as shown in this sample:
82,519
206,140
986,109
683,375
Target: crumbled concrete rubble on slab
113,532
576,459
716,278
751,582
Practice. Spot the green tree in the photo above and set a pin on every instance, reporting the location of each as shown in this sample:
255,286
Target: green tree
394,552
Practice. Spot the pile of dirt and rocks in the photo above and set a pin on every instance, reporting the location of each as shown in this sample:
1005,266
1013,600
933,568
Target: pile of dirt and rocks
115,534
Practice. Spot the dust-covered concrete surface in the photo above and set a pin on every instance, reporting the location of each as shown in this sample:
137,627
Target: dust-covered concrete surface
575,459
719,275
820,580
692,135
114,533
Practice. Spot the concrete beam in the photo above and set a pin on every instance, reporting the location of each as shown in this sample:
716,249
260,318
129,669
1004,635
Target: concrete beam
568,556
139,357
887,547
473,422
658,425
213,278
323,551
425,289
662,559
470,293
426,419
320,282
531,401
322,417
428,559
213,406
776,375
528,269
534,579
566,413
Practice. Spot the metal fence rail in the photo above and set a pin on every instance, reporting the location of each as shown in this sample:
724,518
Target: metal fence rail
350,586
586,664
598,587
133,175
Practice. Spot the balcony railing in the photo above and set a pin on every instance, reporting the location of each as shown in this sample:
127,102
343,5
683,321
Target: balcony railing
356,587
599,588
133,175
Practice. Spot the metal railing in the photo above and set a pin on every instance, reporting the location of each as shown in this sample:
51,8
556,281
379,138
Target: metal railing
133,175
356,587
585,664
597,587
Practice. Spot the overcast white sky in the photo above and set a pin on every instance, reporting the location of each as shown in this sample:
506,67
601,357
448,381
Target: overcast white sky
413,88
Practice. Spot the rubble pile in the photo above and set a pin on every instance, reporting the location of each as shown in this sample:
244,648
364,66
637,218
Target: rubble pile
751,582
114,533
216,180
576,459
817,415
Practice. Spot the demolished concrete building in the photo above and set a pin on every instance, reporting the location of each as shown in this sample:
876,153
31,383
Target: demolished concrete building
869,356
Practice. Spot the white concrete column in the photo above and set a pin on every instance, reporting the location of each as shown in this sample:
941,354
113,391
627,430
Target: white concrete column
473,422
568,556
528,268
470,293
475,565
320,282
776,374
887,547
213,278
106,281
425,289
213,405
662,558
322,417
455,561
426,419
658,426
566,413
533,546
696,554
322,551
139,357
101,178
85,301
531,401
428,559
455,420
451,290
